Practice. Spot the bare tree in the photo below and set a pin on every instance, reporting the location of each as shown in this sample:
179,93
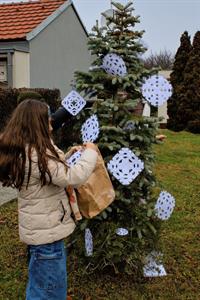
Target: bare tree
164,60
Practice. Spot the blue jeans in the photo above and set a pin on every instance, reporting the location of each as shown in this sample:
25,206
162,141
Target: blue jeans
47,272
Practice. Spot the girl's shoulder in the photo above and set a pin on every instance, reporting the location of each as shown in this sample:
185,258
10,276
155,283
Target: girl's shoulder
59,151
33,154
49,154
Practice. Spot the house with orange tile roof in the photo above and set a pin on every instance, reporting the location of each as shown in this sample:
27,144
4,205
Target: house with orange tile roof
42,43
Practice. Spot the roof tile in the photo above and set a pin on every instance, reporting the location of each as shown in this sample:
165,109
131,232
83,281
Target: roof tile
18,19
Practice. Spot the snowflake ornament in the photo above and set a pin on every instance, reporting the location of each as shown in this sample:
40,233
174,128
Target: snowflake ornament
129,126
74,158
90,129
153,268
88,242
156,90
164,205
122,231
125,166
113,64
73,103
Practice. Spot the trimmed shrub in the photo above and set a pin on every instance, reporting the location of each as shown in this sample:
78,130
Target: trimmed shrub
29,95
9,99
8,102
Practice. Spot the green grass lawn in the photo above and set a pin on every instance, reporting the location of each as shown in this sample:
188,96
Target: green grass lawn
178,172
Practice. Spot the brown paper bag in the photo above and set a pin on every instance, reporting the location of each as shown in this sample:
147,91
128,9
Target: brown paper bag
97,193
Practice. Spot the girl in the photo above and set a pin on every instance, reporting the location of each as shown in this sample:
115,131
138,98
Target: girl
30,162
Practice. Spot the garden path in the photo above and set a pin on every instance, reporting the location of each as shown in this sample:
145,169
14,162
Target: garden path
7,194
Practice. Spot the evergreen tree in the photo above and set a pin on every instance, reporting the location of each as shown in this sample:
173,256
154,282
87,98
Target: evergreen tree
116,98
176,78
188,113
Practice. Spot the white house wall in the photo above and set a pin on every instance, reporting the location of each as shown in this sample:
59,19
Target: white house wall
57,51
21,69
162,110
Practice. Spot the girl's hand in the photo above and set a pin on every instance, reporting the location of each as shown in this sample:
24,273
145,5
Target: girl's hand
90,146
77,148
73,150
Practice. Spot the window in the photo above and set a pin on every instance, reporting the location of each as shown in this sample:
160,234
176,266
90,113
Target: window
3,70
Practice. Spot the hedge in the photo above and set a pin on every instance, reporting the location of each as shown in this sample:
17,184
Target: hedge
64,137
8,101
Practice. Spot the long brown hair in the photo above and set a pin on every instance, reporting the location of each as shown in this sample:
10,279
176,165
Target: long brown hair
27,129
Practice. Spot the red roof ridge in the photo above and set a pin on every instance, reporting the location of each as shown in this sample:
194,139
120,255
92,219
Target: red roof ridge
29,2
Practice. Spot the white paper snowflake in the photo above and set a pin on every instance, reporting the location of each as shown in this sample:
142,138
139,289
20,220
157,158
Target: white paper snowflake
156,90
129,126
74,158
88,242
90,129
121,231
73,103
125,166
153,267
164,205
113,64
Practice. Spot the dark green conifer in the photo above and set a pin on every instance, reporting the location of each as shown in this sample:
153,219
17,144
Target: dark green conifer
188,113
176,79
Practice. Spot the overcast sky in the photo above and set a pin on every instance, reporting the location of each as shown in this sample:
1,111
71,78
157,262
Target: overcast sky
163,20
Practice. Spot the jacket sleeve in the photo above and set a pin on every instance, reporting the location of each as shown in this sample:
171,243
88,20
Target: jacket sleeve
62,155
75,175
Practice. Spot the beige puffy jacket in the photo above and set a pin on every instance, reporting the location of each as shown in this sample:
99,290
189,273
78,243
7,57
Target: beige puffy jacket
44,212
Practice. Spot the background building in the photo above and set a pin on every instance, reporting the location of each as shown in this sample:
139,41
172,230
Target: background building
42,43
